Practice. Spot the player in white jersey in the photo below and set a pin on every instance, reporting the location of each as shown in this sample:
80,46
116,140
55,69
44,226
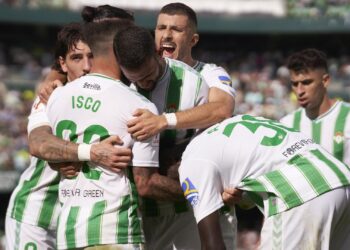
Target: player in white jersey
175,36
174,87
99,207
302,189
325,120
33,209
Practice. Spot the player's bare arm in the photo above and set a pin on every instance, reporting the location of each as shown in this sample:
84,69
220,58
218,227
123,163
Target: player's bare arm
43,144
46,90
210,232
227,101
147,124
151,184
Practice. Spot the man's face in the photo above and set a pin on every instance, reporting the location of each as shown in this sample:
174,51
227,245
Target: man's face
77,61
146,76
174,36
310,87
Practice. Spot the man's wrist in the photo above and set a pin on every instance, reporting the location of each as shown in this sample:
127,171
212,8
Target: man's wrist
171,120
84,152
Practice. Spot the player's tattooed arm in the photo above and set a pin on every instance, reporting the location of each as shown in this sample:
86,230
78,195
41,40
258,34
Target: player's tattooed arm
44,145
151,184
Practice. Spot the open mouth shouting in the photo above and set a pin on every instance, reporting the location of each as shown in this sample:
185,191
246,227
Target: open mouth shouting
167,50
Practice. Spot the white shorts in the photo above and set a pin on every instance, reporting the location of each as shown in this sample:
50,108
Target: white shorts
321,223
28,237
114,247
180,231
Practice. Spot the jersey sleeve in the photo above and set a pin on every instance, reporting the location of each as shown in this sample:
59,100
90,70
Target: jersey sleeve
287,120
201,185
38,116
146,153
217,77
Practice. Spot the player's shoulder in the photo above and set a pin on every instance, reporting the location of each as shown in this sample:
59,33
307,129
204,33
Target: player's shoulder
291,115
172,63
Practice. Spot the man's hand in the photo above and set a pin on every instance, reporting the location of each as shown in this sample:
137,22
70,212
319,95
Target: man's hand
108,155
232,196
47,89
67,169
146,124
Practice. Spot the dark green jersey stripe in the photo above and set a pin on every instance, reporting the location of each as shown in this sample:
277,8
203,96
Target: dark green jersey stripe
70,227
297,120
316,131
123,220
49,203
256,187
95,223
285,189
311,173
338,139
21,198
331,165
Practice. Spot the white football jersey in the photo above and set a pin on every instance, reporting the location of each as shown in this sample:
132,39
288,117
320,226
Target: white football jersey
99,206
35,199
215,76
179,88
331,130
278,166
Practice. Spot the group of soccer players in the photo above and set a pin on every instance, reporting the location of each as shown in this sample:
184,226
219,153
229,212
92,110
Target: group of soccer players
109,156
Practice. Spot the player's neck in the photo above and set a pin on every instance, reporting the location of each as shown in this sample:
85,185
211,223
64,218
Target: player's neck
106,66
325,106
189,60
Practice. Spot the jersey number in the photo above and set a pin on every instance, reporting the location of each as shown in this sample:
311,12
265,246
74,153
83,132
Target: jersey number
253,123
71,127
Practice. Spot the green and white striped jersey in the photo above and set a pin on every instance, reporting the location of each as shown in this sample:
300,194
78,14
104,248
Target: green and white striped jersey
215,76
179,88
331,130
99,206
35,199
278,166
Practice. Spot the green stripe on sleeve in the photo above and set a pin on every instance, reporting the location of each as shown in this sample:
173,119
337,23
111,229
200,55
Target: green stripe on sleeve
95,223
338,139
311,173
297,120
332,166
316,131
70,227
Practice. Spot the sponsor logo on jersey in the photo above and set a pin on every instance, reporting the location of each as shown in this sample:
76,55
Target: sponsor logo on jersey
226,80
94,86
190,192
338,137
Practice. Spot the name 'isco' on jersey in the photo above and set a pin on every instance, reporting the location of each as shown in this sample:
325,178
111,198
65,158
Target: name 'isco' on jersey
331,130
99,206
282,168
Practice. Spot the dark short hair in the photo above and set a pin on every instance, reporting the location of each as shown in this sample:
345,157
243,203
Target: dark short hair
307,59
67,39
133,47
103,12
181,9
100,35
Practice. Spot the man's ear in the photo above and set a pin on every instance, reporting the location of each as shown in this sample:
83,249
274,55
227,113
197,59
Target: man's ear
63,64
195,39
326,80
